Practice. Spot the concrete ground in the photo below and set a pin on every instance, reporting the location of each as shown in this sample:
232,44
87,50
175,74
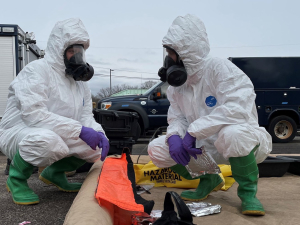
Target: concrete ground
55,204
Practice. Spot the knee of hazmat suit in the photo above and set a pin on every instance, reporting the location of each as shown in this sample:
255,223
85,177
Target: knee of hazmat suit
50,93
215,93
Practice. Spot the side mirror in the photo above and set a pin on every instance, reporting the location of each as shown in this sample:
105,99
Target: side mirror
156,94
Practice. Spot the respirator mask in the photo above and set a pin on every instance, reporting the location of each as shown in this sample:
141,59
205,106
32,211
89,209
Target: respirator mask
76,65
173,72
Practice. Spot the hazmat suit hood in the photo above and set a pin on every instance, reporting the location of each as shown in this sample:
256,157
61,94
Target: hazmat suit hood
65,33
187,36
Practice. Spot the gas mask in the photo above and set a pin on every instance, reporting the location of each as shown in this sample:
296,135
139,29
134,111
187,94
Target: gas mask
173,72
76,66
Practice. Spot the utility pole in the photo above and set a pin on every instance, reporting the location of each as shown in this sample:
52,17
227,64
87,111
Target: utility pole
110,80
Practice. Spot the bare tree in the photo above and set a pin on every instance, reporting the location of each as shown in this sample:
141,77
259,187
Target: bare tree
95,98
105,92
148,84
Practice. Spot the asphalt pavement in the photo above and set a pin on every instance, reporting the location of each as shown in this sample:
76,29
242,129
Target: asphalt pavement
278,148
287,148
55,204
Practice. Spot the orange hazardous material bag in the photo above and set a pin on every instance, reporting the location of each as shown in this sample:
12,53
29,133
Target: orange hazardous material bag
116,185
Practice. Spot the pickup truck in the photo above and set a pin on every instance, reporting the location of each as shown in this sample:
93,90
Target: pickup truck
152,106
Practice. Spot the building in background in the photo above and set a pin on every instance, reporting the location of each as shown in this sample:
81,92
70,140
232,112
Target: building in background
17,49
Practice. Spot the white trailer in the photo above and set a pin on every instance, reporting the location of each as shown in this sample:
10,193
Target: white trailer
17,49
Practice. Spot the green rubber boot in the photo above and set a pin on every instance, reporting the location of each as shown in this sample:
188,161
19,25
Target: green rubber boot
16,183
208,183
245,172
55,174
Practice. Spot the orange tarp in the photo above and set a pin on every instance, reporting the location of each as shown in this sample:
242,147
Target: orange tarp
114,185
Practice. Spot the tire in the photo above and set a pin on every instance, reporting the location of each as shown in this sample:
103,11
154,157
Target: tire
283,129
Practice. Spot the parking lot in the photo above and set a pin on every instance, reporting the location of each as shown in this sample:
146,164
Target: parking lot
55,204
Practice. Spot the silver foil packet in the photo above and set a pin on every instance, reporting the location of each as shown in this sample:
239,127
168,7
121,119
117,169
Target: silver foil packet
204,164
156,214
203,208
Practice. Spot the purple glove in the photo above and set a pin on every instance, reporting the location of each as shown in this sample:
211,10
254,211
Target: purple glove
90,136
189,145
104,144
177,152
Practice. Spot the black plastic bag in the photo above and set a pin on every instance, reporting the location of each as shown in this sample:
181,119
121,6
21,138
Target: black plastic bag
169,216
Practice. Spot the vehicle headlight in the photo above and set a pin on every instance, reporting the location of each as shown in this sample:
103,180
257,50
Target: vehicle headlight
105,105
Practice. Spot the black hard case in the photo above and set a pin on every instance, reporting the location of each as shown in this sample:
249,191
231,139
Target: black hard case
117,124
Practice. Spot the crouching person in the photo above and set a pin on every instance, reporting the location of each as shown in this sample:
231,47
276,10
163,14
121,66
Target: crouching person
48,121
212,104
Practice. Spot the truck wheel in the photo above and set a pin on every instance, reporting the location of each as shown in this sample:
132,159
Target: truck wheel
283,129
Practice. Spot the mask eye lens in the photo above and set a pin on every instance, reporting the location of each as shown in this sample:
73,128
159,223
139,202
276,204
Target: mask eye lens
71,51
78,49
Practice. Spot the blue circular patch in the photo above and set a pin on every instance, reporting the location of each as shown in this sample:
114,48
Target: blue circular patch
210,101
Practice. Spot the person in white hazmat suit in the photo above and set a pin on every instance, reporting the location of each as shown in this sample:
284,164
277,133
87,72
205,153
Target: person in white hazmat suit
48,121
212,104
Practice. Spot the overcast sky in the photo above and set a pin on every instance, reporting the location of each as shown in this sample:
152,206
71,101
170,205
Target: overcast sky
126,35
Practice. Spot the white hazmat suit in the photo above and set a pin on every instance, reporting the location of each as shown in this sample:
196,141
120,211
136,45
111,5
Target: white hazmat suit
216,104
46,109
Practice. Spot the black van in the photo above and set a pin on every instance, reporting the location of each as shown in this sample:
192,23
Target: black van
276,82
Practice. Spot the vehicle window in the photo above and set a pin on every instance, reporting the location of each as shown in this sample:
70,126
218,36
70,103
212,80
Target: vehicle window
164,88
152,88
